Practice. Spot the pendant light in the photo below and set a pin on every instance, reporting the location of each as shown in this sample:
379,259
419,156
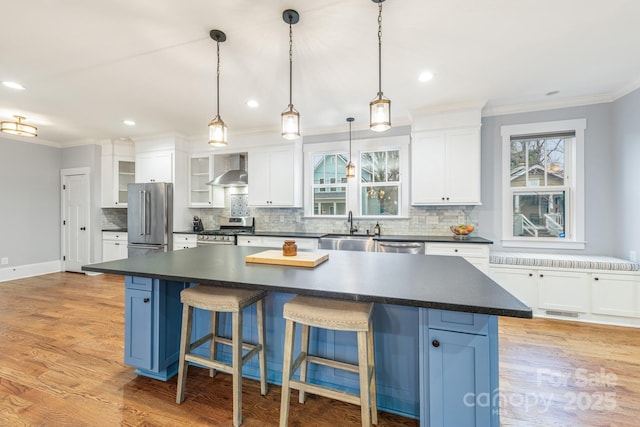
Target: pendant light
217,128
351,168
290,117
19,128
380,107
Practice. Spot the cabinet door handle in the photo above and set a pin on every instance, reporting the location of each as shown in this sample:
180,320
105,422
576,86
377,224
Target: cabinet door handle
83,228
435,343
443,198
596,278
455,250
530,274
447,198
146,300
542,275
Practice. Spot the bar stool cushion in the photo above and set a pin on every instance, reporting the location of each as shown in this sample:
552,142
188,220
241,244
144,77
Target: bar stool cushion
220,299
329,313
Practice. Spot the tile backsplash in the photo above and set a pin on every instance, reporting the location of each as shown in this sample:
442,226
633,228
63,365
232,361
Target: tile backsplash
113,218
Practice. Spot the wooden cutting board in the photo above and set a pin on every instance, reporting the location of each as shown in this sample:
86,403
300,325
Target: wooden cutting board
275,257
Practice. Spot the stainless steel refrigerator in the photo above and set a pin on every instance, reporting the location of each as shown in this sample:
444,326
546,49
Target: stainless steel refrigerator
149,218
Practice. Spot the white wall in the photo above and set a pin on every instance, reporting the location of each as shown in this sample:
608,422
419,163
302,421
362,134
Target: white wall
601,235
626,155
29,202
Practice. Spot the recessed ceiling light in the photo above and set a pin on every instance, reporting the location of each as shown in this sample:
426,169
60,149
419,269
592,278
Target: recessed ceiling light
553,92
425,76
252,103
13,85
129,122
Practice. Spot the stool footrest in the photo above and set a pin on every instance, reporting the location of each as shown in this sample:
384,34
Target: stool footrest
333,363
325,392
211,364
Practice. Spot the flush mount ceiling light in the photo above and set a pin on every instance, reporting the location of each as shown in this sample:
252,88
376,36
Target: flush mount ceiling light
129,122
19,128
380,107
217,128
290,117
13,85
351,168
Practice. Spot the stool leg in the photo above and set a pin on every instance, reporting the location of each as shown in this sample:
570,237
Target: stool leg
372,367
213,348
304,348
289,338
236,358
364,378
262,355
185,343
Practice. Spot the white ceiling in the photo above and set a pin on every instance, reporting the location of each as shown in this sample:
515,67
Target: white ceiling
89,65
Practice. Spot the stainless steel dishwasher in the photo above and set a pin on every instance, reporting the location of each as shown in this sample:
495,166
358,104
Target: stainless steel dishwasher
401,247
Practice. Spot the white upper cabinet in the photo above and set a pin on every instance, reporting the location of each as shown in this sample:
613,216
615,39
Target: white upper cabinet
445,159
275,176
118,170
201,171
156,166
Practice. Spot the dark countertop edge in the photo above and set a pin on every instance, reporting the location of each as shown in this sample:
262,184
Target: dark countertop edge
390,238
522,314
115,230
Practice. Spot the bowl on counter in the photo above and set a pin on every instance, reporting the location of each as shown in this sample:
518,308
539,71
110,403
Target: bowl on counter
461,231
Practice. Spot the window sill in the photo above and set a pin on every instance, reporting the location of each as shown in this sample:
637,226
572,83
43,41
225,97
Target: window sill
540,244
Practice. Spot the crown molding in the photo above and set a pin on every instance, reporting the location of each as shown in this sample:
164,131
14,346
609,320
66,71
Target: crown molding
577,101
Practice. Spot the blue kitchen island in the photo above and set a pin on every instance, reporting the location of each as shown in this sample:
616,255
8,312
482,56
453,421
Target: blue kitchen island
435,320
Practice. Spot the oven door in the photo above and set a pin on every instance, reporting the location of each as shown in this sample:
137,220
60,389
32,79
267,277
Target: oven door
214,242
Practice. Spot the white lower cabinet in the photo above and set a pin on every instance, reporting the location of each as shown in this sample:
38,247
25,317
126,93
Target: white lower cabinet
615,295
184,241
587,295
114,245
476,253
277,242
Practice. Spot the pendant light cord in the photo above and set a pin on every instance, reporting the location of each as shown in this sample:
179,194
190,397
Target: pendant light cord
290,63
350,141
218,80
380,49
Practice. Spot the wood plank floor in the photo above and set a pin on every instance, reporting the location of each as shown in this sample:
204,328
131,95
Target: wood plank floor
61,349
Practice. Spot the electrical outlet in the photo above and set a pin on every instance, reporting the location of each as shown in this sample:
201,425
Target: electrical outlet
632,256
4,260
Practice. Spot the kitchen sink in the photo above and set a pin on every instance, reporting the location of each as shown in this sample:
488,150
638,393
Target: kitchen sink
348,242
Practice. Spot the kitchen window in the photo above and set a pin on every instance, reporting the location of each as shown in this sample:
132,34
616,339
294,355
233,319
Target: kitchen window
377,191
543,185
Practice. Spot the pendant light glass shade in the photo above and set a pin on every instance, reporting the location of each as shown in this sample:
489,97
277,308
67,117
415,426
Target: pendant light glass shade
290,123
290,117
380,107
217,132
217,128
351,168
19,128
380,114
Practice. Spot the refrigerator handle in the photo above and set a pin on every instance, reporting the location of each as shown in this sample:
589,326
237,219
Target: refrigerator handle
143,213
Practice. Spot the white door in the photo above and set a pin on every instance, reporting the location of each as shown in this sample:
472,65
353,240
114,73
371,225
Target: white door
75,220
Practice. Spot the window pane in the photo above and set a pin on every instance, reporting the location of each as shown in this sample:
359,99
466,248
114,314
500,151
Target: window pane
329,168
537,162
393,165
329,200
539,214
366,167
381,200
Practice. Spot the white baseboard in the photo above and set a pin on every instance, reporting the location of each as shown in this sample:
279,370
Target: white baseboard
29,270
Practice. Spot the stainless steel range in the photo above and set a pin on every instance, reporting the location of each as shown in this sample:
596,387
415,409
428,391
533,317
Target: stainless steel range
230,227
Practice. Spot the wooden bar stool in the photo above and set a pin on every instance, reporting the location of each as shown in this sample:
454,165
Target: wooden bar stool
336,315
225,300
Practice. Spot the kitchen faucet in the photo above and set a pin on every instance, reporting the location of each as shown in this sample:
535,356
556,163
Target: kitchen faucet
352,229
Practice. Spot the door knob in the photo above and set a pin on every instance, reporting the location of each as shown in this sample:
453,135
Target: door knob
83,228
435,343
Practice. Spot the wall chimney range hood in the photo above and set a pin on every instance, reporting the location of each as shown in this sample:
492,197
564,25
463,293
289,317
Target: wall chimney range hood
236,174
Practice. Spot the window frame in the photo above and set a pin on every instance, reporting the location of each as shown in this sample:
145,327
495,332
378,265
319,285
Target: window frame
574,181
353,193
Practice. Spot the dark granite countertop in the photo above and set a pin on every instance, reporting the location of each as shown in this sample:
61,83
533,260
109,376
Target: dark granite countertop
115,230
434,239
430,281
289,234
389,238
